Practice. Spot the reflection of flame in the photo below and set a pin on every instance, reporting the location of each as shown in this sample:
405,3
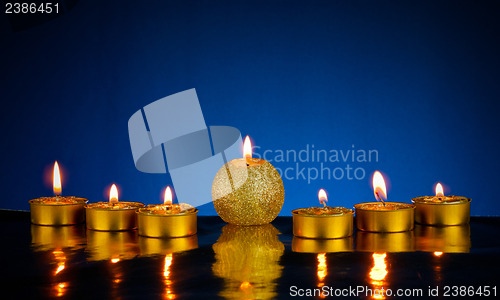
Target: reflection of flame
56,180
115,260
321,266
60,289
323,198
60,258
166,274
61,261
247,148
438,253
378,273
439,190
379,188
113,194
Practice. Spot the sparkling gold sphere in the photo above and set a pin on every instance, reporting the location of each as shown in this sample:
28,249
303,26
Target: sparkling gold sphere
248,191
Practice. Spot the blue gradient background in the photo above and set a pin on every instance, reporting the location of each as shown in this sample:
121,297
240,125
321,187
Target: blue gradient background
416,80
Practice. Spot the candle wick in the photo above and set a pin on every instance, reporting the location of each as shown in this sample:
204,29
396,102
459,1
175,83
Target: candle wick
324,203
379,198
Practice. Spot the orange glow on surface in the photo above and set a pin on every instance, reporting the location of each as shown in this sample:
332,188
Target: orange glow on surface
113,194
378,274
60,267
323,198
56,180
379,269
439,190
60,289
167,197
438,253
379,188
166,274
322,267
247,148
115,260
245,285
61,261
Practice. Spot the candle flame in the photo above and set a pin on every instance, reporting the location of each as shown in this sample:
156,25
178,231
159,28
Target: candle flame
323,198
113,194
247,148
439,190
379,188
167,197
56,179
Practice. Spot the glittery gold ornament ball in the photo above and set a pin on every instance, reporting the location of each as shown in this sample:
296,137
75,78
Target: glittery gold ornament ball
248,191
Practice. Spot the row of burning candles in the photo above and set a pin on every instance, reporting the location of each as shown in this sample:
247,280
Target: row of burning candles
176,220
161,220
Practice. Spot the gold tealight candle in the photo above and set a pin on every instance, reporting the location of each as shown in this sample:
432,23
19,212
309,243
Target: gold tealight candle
112,215
57,210
167,220
441,210
322,222
383,216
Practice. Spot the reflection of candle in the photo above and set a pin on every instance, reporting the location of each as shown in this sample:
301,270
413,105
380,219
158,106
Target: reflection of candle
383,216
112,215
322,222
154,246
56,237
403,241
57,210
441,210
111,245
443,238
305,245
248,191
167,220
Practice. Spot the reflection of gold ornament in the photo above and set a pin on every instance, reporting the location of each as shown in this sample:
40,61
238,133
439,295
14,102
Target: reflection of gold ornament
443,239
247,257
248,191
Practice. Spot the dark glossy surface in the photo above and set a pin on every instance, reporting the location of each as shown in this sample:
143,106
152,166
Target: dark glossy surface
224,261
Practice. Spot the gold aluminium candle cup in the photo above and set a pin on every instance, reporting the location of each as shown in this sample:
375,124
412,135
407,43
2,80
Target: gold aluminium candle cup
385,220
304,245
105,245
451,239
58,214
322,226
167,226
154,246
442,214
106,219
385,241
